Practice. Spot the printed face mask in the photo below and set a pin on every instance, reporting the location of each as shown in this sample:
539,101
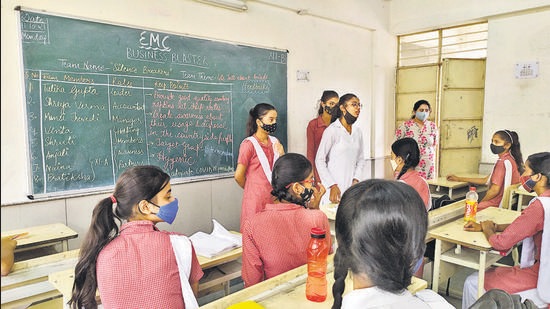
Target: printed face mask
269,128
350,119
422,116
306,195
168,212
497,149
527,183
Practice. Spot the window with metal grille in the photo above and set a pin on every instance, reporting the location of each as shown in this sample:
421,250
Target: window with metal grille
468,41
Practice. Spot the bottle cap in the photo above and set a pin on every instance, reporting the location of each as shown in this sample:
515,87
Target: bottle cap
318,232
472,188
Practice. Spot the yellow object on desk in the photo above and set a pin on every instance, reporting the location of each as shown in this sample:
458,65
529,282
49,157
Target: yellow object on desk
475,248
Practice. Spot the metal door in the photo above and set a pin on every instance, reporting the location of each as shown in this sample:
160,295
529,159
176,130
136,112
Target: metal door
461,115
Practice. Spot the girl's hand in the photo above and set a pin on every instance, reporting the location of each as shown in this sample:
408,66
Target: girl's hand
472,227
452,178
318,192
335,194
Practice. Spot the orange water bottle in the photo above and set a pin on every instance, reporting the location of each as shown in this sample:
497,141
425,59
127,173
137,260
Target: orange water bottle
470,210
317,252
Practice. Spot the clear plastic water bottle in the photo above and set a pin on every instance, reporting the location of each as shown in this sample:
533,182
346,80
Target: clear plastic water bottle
470,210
317,252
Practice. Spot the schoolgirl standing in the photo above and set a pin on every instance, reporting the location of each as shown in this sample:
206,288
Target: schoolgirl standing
257,154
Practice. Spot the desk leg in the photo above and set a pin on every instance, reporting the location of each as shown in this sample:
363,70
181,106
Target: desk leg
65,245
451,193
520,202
481,277
437,263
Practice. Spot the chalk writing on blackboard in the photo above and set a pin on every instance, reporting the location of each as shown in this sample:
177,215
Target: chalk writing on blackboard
101,98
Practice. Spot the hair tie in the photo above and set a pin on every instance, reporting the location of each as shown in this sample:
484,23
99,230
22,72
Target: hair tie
509,135
113,199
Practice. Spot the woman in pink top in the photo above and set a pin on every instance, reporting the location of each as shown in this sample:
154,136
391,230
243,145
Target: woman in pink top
257,154
136,265
425,133
506,171
317,126
275,239
530,224
405,156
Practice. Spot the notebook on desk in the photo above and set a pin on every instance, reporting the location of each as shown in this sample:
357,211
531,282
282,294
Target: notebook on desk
216,243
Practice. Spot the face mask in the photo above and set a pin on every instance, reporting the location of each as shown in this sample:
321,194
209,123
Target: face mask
422,116
168,212
329,109
497,149
418,264
527,183
350,119
306,195
269,128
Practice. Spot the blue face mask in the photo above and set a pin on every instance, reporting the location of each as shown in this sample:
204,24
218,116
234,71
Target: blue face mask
422,116
168,212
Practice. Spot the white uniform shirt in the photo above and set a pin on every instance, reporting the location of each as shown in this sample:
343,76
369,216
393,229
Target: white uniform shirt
339,158
377,298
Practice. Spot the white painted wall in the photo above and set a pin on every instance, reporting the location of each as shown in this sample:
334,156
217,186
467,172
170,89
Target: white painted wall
344,45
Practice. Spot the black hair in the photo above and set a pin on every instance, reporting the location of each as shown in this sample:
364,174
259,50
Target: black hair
327,95
381,228
134,185
540,163
288,169
407,149
342,102
416,106
257,112
513,138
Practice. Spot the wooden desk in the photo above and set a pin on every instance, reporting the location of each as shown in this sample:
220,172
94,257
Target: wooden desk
287,290
474,247
520,193
63,280
454,189
43,235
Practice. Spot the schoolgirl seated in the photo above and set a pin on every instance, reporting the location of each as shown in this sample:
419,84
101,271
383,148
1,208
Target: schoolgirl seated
506,171
381,227
275,239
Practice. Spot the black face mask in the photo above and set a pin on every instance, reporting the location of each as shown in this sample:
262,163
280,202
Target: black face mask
269,128
350,119
497,149
329,109
306,195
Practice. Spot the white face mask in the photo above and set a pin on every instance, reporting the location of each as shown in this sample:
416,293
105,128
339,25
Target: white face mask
393,164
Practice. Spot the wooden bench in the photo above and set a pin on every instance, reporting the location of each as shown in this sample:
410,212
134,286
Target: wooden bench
28,282
42,236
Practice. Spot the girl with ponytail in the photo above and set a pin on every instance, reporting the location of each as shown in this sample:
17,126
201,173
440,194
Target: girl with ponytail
275,239
257,154
506,171
381,228
405,156
124,254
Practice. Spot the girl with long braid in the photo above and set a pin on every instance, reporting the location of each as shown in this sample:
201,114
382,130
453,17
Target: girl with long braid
506,171
405,156
381,228
275,239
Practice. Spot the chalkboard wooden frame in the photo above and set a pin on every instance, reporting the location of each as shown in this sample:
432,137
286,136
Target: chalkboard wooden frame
101,97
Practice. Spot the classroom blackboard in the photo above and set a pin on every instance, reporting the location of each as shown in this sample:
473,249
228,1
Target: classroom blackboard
101,98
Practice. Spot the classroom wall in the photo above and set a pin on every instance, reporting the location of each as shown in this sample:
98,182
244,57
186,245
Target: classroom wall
344,45
519,31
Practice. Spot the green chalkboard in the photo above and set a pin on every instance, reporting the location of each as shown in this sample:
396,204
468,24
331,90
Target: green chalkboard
101,98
